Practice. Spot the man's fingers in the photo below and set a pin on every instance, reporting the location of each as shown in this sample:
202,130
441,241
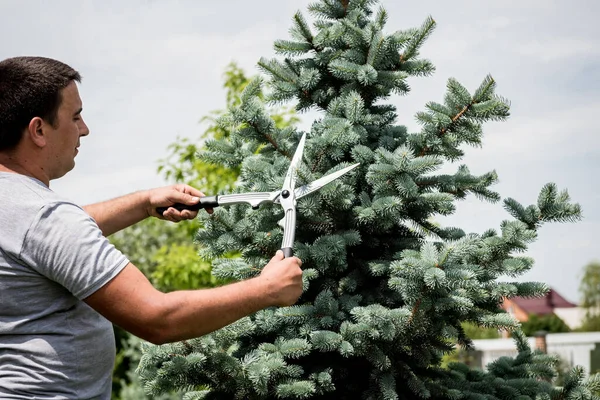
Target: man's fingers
168,215
193,191
278,256
185,194
183,198
187,214
177,216
189,199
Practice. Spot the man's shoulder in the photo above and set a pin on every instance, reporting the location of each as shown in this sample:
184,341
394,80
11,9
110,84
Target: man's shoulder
25,200
13,184
21,192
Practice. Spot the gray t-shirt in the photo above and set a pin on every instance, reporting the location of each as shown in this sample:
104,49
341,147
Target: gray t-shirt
52,256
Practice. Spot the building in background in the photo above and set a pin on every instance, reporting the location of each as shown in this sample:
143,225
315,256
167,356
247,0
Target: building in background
574,348
553,302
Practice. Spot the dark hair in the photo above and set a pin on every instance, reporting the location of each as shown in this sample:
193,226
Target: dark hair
30,87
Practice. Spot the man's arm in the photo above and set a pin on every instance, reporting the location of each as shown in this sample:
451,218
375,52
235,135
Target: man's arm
130,301
116,214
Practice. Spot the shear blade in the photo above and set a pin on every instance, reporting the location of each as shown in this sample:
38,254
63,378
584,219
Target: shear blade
319,183
290,177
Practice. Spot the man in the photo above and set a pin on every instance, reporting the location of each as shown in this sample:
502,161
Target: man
61,281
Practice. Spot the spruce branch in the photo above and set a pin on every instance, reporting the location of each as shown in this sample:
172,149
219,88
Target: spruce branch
417,305
495,108
318,159
417,40
273,68
274,144
456,117
443,131
375,49
414,310
345,5
552,206
301,30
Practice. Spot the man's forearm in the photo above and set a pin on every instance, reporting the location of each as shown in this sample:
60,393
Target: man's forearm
130,301
122,212
193,313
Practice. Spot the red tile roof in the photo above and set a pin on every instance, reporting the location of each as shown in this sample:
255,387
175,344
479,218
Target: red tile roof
543,305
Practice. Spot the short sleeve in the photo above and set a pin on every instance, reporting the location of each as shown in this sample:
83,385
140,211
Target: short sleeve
66,245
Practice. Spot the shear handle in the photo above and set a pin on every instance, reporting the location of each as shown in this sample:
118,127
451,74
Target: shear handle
287,252
205,202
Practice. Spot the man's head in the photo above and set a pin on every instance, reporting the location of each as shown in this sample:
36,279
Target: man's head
40,112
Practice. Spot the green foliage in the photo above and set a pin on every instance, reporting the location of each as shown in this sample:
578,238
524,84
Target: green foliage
591,323
386,290
474,331
179,268
590,294
550,323
141,242
130,387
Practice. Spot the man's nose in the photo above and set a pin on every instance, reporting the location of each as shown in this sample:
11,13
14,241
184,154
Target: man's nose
83,130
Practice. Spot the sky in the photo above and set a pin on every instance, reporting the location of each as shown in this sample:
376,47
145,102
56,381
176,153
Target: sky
152,68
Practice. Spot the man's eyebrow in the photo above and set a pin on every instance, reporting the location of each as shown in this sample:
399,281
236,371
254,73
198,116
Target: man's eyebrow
78,112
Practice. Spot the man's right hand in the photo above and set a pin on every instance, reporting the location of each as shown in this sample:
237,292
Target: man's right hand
282,278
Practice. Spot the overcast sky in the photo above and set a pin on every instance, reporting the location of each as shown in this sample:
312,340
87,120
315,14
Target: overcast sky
152,68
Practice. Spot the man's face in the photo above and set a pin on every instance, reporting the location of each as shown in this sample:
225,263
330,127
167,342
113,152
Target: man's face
63,139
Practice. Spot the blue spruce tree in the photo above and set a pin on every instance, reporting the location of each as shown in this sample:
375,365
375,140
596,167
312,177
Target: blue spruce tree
385,288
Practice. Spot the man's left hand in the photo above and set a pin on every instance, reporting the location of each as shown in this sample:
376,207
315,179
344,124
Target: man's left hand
169,195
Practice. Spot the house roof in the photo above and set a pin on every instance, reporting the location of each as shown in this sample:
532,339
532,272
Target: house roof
542,305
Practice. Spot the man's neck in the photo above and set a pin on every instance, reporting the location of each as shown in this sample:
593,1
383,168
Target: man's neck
10,163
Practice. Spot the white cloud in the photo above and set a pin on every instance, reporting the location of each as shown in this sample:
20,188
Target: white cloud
553,49
564,133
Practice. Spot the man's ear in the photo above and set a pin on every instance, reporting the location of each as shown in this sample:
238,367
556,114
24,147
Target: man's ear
36,131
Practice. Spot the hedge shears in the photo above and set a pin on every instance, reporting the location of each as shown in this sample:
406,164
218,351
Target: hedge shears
286,197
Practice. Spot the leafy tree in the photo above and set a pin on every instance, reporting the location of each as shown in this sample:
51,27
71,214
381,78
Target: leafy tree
589,289
385,290
474,331
550,323
591,323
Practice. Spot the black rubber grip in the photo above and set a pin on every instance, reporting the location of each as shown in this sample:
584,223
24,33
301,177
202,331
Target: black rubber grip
205,202
287,252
